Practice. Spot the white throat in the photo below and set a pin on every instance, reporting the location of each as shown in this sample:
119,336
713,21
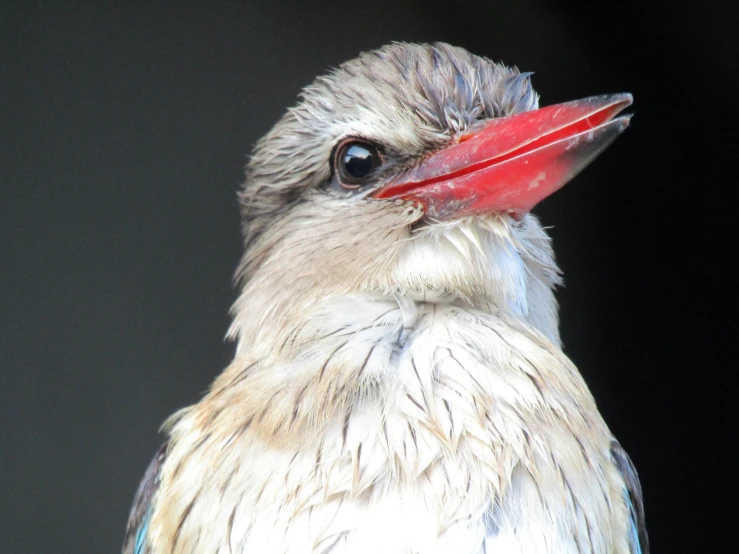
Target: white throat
493,264
477,261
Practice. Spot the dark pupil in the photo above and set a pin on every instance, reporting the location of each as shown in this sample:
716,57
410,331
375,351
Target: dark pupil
358,161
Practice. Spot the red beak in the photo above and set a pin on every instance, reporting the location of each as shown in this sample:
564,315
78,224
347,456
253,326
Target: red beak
512,163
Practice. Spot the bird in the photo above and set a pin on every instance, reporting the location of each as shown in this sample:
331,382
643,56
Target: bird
398,383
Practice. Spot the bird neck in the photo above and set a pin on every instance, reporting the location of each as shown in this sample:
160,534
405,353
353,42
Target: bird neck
494,265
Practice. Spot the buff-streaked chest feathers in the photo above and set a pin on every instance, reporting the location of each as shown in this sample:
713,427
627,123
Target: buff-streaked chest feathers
460,433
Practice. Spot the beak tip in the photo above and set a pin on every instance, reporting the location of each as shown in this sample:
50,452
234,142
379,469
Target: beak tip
620,99
624,121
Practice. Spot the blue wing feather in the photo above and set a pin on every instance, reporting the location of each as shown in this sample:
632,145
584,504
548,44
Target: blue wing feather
138,521
634,500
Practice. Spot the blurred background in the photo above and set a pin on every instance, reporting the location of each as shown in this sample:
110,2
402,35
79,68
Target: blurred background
124,132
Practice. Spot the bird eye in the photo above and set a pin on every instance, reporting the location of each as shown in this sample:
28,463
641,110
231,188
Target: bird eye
355,161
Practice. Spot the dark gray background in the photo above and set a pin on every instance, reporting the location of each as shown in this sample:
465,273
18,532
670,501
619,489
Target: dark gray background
124,133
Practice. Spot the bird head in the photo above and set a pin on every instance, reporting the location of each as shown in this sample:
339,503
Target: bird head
411,172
